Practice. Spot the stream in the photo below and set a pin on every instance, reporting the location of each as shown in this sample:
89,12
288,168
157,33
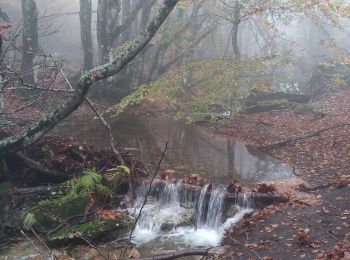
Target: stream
191,149
173,219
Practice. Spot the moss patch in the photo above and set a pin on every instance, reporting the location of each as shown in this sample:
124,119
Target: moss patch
63,207
94,229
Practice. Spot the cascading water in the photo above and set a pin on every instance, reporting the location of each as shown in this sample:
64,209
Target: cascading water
216,202
166,220
200,206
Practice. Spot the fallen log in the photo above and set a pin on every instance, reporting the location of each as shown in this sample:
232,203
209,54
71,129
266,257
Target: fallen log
38,166
183,253
294,98
301,137
32,190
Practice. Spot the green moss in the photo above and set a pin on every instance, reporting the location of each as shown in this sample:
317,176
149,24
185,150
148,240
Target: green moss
92,230
63,207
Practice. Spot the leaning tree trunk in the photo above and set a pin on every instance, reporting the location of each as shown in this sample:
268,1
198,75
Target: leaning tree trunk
30,39
85,32
42,126
235,30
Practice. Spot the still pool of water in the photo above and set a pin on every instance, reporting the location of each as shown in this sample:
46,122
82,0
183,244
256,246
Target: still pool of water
191,149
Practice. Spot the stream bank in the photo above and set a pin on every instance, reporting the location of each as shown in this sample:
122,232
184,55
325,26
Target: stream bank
301,229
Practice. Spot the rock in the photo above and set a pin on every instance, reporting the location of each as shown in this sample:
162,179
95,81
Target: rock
92,230
41,220
185,219
230,211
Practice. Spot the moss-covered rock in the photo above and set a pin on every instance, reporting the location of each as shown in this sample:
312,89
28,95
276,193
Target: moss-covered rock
185,219
92,230
45,216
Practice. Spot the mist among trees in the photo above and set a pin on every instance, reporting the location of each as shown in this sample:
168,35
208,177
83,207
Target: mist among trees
179,110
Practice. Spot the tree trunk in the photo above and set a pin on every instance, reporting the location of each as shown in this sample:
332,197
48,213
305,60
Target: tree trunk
42,126
125,14
85,32
235,30
2,79
30,39
107,19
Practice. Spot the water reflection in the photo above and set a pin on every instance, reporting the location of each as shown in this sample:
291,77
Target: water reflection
191,149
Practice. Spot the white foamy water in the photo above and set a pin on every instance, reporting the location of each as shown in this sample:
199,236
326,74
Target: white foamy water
166,223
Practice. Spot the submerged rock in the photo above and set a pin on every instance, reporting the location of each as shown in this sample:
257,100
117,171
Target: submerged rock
92,230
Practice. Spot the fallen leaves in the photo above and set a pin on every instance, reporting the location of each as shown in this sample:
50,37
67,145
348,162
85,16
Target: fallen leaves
110,214
304,239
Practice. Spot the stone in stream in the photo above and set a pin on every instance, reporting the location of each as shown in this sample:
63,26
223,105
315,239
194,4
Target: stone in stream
185,219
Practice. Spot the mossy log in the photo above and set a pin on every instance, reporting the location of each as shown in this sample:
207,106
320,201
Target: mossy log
96,229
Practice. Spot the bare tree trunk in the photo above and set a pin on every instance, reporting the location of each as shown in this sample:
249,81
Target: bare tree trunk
107,19
2,79
125,15
42,126
30,39
3,18
235,30
85,32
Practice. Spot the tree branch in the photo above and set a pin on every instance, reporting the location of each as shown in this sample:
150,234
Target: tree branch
301,137
183,253
41,127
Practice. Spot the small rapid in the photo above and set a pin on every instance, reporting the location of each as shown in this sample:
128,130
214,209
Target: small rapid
172,216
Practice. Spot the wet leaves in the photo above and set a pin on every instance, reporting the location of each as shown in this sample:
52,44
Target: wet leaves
110,214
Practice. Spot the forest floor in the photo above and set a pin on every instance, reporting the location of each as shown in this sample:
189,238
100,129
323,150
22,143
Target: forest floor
302,229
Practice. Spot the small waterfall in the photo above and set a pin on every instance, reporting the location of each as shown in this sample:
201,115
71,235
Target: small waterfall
246,202
201,206
215,206
167,215
170,194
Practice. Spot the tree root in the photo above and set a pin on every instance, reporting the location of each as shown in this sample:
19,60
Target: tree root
189,252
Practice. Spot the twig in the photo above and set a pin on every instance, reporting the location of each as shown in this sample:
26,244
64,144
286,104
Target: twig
32,243
303,136
99,115
42,242
67,224
147,194
183,253
327,232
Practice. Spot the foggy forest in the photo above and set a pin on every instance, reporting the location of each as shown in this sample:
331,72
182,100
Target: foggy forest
174,129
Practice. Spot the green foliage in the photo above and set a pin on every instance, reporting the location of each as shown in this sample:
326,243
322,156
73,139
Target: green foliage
89,182
199,88
63,207
116,175
29,220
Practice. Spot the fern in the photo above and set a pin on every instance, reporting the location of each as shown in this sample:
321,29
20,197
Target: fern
28,221
86,183
116,175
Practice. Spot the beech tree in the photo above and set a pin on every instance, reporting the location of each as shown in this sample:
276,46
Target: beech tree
85,32
30,40
119,61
